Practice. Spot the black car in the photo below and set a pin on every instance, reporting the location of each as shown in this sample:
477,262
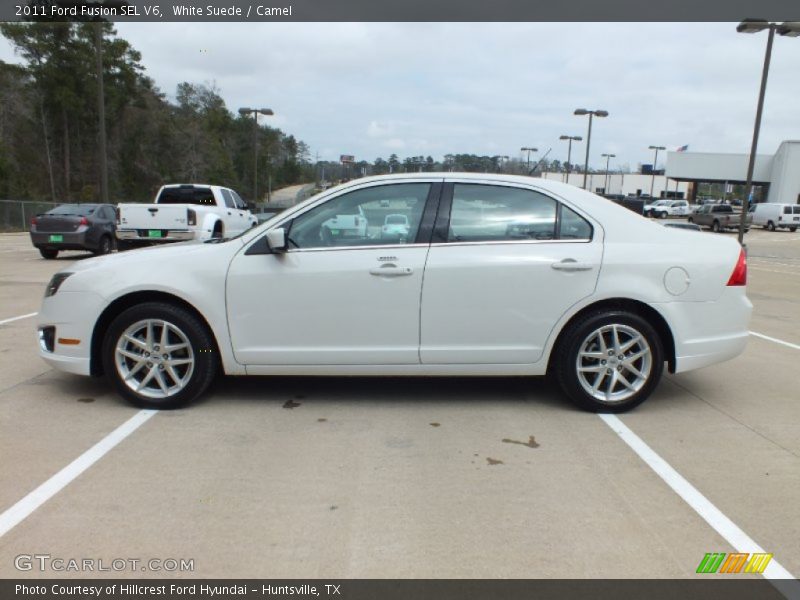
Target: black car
75,227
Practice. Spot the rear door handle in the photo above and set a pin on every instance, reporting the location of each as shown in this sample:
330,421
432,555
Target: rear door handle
391,271
570,264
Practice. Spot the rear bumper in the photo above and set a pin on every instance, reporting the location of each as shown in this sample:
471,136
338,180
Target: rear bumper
706,333
168,235
70,241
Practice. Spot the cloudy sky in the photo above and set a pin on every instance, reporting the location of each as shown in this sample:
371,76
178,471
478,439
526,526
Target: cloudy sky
371,89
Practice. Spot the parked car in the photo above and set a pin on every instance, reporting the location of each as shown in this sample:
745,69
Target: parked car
182,212
74,227
666,208
772,215
395,226
602,303
682,225
719,217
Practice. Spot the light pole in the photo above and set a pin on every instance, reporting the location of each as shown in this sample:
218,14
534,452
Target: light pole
591,113
571,138
655,160
529,150
608,158
255,112
790,29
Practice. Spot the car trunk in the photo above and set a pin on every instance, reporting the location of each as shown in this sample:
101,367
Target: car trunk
58,223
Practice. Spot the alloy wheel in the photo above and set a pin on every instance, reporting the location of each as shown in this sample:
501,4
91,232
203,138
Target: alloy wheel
154,358
614,362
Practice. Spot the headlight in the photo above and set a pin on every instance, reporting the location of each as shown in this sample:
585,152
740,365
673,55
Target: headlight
55,283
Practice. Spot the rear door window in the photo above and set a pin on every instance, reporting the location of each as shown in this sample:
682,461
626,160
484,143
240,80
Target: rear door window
228,198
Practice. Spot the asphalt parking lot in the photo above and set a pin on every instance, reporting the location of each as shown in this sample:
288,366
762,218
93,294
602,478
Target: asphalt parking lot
424,478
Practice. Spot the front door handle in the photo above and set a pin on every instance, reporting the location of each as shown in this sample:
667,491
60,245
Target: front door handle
570,264
391,271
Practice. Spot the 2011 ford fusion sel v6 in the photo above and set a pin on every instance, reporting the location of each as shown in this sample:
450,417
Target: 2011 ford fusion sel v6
493,275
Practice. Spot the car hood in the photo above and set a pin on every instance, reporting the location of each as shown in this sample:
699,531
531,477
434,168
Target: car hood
118,264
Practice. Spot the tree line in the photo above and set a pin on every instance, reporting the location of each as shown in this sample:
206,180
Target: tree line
49,125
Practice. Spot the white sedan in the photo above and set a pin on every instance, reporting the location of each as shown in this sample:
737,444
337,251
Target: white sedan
499,275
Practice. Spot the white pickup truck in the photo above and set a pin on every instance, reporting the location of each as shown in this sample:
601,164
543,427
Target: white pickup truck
184,212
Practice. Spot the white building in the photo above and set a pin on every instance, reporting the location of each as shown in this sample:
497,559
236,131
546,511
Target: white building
627,184
778,175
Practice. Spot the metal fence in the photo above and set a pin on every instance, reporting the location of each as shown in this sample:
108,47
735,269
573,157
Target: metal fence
16,215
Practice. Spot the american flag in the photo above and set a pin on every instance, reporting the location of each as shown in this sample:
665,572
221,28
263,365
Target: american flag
683,148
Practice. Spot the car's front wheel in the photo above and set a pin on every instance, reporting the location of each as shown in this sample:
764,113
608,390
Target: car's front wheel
159,355
662,215
610,361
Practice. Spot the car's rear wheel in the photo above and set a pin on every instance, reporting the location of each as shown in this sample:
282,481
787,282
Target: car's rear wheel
715,227
48,254
610,361
105,246
159,355
792,229
770,225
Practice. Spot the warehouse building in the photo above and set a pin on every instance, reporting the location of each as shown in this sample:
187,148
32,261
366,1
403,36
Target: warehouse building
776,176
626,184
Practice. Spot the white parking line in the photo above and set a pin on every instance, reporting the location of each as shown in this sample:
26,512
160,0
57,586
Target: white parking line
776,340
701,505
22,509
12,319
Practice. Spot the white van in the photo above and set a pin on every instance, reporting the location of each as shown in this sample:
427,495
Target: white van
771,215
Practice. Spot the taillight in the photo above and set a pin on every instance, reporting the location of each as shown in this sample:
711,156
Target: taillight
84,221
191,217
739,275
34,221
116,212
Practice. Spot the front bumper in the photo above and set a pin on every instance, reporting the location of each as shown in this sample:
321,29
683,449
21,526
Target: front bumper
73,314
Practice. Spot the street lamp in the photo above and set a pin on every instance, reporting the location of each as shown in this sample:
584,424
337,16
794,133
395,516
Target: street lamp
608,158
255,112
788,29
591,113
571,138
529,150
655,160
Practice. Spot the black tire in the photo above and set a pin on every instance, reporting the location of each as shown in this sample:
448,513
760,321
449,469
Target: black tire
48,253
770,225
715,227
662,215
690,220
565,367
105,247
792,229
203,347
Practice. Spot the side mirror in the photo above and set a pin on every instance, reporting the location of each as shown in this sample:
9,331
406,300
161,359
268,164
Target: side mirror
276,240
